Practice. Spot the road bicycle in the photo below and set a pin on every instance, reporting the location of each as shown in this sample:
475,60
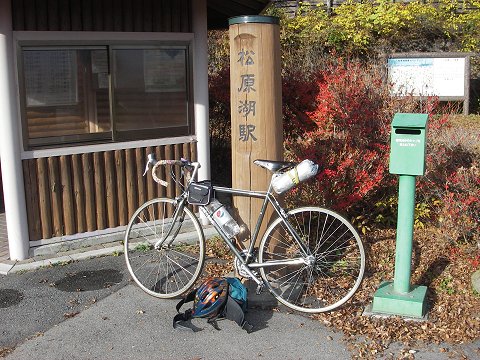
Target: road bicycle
310,258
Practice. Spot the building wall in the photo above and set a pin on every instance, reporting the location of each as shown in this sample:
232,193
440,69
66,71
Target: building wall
77,193
102,15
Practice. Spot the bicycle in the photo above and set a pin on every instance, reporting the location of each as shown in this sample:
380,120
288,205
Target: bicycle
310,258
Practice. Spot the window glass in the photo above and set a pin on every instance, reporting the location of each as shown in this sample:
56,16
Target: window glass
65,94
82,94
150,89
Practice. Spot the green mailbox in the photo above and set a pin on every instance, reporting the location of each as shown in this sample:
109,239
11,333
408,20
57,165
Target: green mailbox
408,143
407,159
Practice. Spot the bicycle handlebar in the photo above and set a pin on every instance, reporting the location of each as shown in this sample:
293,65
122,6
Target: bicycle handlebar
190,167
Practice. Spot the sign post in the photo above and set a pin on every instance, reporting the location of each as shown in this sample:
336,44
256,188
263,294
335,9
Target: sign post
256,107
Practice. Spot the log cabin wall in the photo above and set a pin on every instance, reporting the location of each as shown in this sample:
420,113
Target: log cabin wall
102,15
80,193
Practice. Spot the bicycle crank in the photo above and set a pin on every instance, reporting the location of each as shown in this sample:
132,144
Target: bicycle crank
243,270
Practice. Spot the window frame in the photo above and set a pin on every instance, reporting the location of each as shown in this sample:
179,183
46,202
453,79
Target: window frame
108,41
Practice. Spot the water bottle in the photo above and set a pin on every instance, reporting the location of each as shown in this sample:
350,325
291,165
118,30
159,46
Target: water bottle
223,218
303,171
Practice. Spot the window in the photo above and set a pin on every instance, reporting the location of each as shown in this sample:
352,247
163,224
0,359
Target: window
150,88
73,95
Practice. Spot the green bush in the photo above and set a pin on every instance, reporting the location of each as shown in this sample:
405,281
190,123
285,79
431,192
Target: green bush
372,28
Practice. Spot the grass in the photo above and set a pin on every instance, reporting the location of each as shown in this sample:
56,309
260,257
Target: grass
143,247
467,121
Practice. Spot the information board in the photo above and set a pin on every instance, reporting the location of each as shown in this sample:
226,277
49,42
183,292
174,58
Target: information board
164,70
428,76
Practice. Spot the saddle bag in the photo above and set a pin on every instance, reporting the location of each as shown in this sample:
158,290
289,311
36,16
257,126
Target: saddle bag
282,182
200,193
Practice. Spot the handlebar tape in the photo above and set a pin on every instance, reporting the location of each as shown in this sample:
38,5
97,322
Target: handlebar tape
167,162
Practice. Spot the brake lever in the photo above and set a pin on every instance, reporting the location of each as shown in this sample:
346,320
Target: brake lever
150,161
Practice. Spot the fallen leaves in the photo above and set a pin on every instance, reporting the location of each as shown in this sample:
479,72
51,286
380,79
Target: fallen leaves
217,269
69,315
453,308
4,351
453,317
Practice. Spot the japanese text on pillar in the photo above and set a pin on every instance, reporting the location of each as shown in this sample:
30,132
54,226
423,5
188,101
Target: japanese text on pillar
247,85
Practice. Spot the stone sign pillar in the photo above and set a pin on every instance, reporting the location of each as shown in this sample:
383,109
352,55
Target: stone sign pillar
256,108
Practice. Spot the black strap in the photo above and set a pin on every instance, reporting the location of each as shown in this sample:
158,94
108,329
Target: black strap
180,319
213,322
186,299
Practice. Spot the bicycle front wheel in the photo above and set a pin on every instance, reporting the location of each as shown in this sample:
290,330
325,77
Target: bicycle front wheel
329,272
164,257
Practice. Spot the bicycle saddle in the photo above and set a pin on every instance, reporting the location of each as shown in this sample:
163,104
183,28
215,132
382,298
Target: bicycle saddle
274,166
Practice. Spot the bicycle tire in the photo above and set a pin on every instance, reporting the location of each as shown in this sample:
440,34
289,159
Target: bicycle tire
171,270
335,268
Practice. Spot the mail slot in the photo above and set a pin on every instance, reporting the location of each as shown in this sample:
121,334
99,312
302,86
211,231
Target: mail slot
408,144
408,131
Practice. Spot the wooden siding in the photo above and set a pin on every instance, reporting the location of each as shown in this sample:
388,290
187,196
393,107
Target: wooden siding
102,15
86,192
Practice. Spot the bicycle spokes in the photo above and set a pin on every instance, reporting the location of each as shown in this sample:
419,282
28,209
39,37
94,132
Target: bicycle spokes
164,256
331,271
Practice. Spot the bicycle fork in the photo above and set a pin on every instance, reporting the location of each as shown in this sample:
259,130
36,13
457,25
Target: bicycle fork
177,217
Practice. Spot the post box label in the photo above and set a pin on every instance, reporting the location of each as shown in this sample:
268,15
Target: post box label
408,142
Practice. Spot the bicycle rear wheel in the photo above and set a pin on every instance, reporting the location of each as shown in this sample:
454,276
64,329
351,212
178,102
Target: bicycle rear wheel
332,269
172,267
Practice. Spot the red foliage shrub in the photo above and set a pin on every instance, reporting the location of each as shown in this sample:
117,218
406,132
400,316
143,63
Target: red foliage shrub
220,127
459,212
350,102
298,98
452,179
340,118
350,137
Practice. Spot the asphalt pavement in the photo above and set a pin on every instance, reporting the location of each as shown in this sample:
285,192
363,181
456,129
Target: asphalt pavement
90,309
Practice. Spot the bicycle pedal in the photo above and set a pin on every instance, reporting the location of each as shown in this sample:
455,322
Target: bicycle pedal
259,289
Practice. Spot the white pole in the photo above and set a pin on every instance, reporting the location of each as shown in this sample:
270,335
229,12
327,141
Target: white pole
200,88
12,176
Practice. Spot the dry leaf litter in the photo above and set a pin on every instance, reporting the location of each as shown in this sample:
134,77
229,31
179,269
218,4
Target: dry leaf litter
445,268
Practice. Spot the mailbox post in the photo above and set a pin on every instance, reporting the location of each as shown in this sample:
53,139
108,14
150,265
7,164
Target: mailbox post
407,159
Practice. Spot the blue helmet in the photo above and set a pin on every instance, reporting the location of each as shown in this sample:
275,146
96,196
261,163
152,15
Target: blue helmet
210,297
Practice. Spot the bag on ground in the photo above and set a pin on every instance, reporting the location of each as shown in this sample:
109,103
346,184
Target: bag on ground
215,299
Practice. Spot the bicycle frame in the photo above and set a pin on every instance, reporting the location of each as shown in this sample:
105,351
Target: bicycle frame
246,261
268,198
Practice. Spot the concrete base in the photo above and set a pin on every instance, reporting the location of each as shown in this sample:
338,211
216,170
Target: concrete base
109,237
476,281
412,304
